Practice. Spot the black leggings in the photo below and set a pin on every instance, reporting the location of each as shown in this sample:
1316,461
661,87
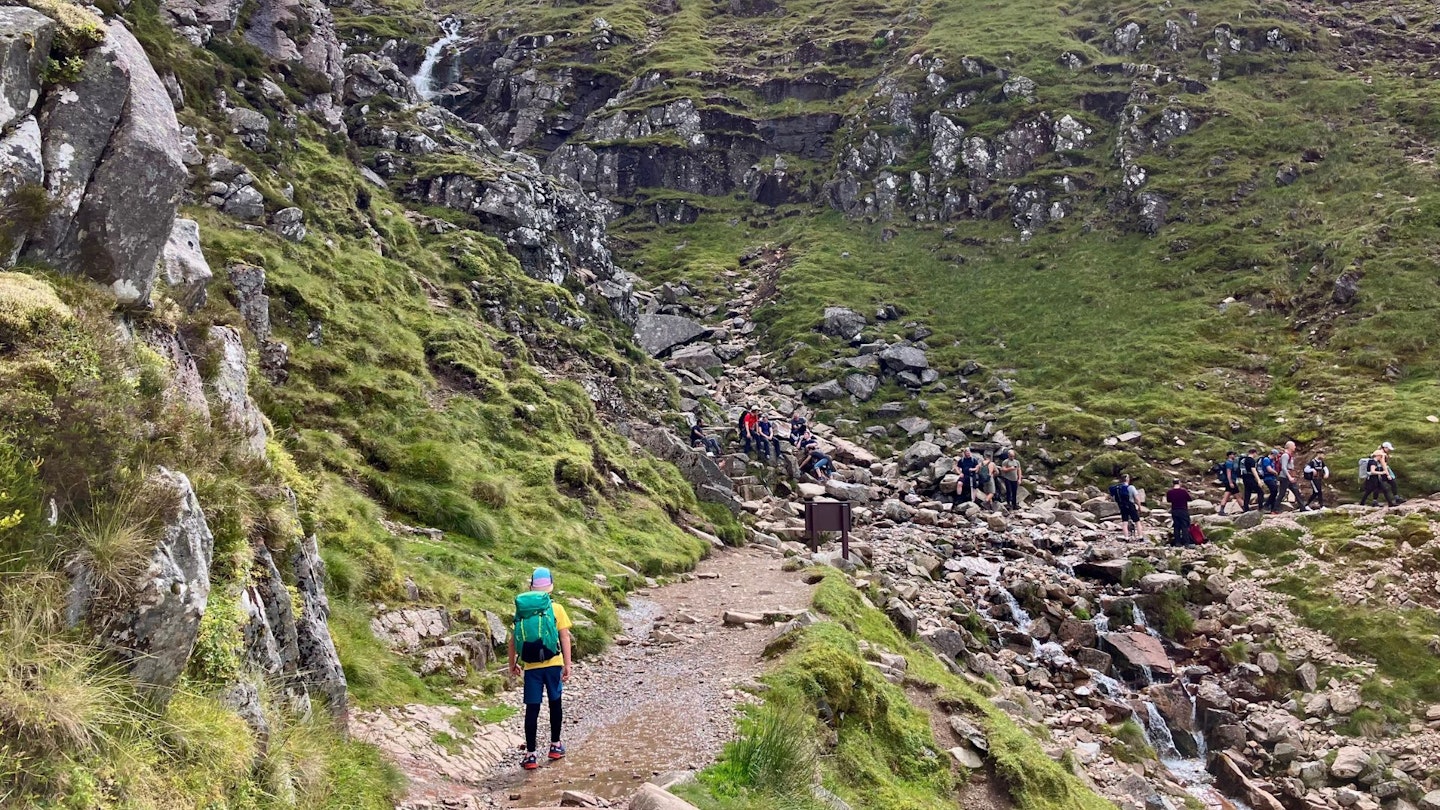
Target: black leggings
532,723
1317,493
1012,491
1272,502
1375,485
1252,490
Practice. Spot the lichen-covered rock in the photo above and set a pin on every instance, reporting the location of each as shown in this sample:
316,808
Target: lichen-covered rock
300,32
370,75
658,334
410,629
185,268
200,20
111,221
230,389
269,589
248,282
25,36
319,663
21,165
152,626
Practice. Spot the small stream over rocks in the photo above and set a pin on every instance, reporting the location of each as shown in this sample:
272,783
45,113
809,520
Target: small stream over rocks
424,78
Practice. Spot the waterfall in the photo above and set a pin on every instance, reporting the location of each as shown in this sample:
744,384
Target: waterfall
1158,733
1018,616
1101,623
424,78
1108,686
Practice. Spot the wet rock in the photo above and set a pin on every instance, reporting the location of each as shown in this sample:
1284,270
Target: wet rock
1230,777
658,334
1136,651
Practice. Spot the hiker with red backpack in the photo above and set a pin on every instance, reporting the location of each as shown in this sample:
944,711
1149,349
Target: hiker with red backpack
1179,499
540,648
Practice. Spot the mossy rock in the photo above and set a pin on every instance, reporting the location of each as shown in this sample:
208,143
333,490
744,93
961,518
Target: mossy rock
28,303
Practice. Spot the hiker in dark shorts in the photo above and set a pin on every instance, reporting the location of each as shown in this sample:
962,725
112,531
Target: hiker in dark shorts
1250,480
1229,480
1125,497
1179,499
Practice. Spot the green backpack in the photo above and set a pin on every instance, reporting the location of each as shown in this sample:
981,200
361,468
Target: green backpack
536,637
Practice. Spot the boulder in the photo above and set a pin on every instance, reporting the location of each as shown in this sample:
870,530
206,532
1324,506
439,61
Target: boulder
855,493
904,358
825,392
450,659
809,491
1248,520
185,269
289,223
410,629
1230,777
735,618
913,425
1101,507
861,386
200,20
1350,762
919,455
651,797
25,36
1161,582
842,323
658,334
151,627
1111,571
1430,801
319,663
696,358
903,616
124,210
1138,651
847,452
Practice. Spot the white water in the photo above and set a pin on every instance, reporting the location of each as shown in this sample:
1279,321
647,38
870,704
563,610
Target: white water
424,78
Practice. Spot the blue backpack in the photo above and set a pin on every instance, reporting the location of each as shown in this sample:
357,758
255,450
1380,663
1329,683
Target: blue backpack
537,639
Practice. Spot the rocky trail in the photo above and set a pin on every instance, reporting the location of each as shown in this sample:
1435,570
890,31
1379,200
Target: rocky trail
663,699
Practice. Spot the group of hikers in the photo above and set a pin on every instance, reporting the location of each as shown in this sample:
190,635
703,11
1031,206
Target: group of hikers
758,435
1260,481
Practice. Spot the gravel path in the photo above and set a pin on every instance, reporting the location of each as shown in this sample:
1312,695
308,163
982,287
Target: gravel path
664,698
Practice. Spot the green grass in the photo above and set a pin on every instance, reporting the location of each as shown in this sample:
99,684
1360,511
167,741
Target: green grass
882,753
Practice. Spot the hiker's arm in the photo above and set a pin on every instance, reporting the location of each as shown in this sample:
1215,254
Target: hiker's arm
510,651
565,652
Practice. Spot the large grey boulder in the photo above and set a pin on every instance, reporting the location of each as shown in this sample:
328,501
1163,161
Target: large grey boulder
248,282
919,455
842,323
711,483
861,386
230,390
824,392
268,589
855,493
904,358
658,334
25,36
151,627
185,268
124,210
319,664
262,651
298,31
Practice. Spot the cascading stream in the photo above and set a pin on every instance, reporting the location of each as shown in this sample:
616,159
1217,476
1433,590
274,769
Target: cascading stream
424,78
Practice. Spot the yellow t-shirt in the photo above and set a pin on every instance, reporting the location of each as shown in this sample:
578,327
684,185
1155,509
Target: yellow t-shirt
562,623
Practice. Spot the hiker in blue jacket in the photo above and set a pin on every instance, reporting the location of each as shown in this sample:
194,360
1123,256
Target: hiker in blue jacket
1270,474
541,639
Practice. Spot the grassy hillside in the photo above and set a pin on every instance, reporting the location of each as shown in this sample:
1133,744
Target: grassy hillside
1100,327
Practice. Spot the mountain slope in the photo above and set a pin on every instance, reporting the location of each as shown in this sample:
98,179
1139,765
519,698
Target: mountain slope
1067,196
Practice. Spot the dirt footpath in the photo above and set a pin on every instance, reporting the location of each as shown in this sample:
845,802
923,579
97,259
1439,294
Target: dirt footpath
664,698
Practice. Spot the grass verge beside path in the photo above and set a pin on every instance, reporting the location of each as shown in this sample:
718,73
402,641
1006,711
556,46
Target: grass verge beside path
870,745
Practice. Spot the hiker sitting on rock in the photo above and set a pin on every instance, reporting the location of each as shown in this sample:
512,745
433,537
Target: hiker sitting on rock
1125,497
541,639
766,436
749,419
807,443
1179,499
798,428
817,464
1316,472
698,438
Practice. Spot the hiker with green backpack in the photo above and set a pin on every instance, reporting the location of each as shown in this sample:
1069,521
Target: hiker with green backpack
541,640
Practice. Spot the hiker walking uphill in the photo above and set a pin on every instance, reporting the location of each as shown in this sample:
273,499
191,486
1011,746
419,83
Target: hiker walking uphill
1229,480
1250,480
1288,477
541,640
967,464
1315,473
1394,492
1270,474
1377,476
1125,497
